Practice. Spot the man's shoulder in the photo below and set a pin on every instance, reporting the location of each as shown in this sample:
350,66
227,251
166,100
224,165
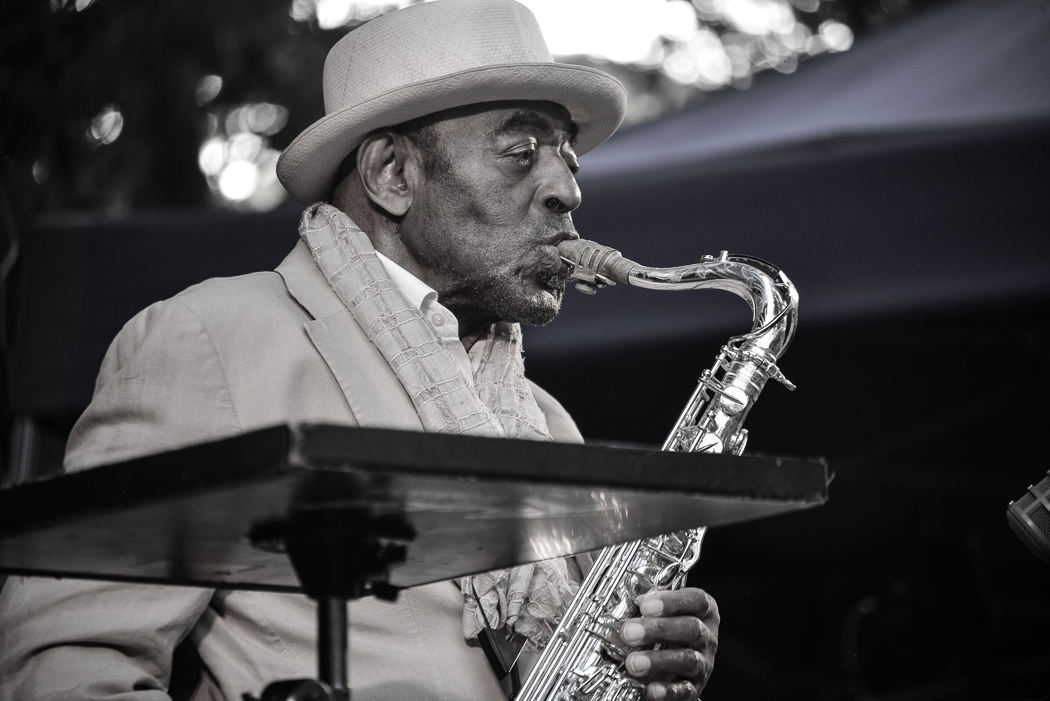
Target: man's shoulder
220,295
560,424
246,307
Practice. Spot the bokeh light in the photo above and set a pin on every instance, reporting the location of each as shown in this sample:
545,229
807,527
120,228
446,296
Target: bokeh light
836,36
704,44
236,159
106,126
239,180
78,5
258,118
208,89
622,31
336,13
702,60
41,171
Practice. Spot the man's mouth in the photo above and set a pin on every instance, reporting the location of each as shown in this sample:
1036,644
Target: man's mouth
552,259
553,271
551,281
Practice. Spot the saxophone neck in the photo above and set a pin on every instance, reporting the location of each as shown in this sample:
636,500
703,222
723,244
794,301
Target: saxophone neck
767,290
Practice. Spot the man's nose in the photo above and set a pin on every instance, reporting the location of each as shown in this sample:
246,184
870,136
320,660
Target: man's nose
559,192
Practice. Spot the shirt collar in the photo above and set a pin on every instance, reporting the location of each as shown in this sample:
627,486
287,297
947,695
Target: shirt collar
415,290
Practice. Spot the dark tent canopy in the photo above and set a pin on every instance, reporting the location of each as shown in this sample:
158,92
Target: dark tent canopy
909,173
972,64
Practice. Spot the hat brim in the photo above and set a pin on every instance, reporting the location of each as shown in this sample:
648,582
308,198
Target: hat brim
595,100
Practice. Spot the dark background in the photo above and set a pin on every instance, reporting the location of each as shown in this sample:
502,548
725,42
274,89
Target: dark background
922,258
908,583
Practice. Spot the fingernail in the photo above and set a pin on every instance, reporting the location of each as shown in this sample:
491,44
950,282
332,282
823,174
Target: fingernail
639,664
632,633
657,691
651,606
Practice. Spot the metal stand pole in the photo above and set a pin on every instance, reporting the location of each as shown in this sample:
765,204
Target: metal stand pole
332,643
338,554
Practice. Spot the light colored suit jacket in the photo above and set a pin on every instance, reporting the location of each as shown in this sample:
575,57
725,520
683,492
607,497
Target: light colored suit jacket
221,358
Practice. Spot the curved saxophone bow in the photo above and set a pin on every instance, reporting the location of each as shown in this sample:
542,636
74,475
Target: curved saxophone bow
582,662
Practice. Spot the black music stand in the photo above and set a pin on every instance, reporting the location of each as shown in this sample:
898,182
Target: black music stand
340,513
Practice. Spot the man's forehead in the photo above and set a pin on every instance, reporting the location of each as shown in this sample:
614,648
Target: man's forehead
530,120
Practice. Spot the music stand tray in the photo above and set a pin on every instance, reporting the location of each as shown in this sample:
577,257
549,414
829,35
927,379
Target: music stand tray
341,512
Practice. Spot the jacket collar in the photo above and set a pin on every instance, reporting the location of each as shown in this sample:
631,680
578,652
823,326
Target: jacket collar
376,397
307,284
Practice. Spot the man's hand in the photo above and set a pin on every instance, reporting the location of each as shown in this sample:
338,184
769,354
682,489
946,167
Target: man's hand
686,623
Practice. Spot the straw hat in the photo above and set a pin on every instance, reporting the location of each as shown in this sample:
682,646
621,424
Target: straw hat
431,57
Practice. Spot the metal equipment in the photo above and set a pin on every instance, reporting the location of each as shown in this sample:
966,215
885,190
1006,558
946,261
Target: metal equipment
584,661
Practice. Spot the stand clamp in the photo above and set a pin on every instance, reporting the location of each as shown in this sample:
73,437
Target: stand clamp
338,554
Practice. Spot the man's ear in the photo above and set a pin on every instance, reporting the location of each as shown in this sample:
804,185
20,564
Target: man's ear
389,167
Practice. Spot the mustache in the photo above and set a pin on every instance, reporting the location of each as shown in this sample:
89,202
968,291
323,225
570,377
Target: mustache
557,228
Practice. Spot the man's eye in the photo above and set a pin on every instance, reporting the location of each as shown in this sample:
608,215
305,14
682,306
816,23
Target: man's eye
525,158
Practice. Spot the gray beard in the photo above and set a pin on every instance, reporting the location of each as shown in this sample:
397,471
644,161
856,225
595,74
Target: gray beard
507,301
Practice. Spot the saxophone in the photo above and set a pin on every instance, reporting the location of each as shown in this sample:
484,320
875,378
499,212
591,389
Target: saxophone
584,660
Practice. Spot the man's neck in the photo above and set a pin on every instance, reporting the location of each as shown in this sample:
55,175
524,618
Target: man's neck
474,324
472,330
383,232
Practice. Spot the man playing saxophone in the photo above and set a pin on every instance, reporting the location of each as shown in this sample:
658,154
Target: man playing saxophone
439,184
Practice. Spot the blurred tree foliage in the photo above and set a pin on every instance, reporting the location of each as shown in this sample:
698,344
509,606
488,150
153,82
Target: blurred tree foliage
62,62
60,67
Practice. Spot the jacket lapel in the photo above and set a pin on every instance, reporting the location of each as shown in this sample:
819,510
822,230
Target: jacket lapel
375,395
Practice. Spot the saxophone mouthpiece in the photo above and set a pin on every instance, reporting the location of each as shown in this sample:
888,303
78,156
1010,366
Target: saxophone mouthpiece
595,266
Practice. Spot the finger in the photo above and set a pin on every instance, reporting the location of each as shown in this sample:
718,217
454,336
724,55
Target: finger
678,691
690,601
680,630
664,664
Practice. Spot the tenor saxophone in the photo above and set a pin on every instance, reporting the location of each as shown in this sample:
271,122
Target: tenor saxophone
584,660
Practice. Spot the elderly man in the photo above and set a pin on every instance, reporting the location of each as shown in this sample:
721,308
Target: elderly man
447,155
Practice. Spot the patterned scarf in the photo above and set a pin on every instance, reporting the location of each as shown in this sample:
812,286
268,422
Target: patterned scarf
497,402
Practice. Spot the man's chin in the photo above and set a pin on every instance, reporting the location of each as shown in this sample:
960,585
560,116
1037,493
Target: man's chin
533,304
542,309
